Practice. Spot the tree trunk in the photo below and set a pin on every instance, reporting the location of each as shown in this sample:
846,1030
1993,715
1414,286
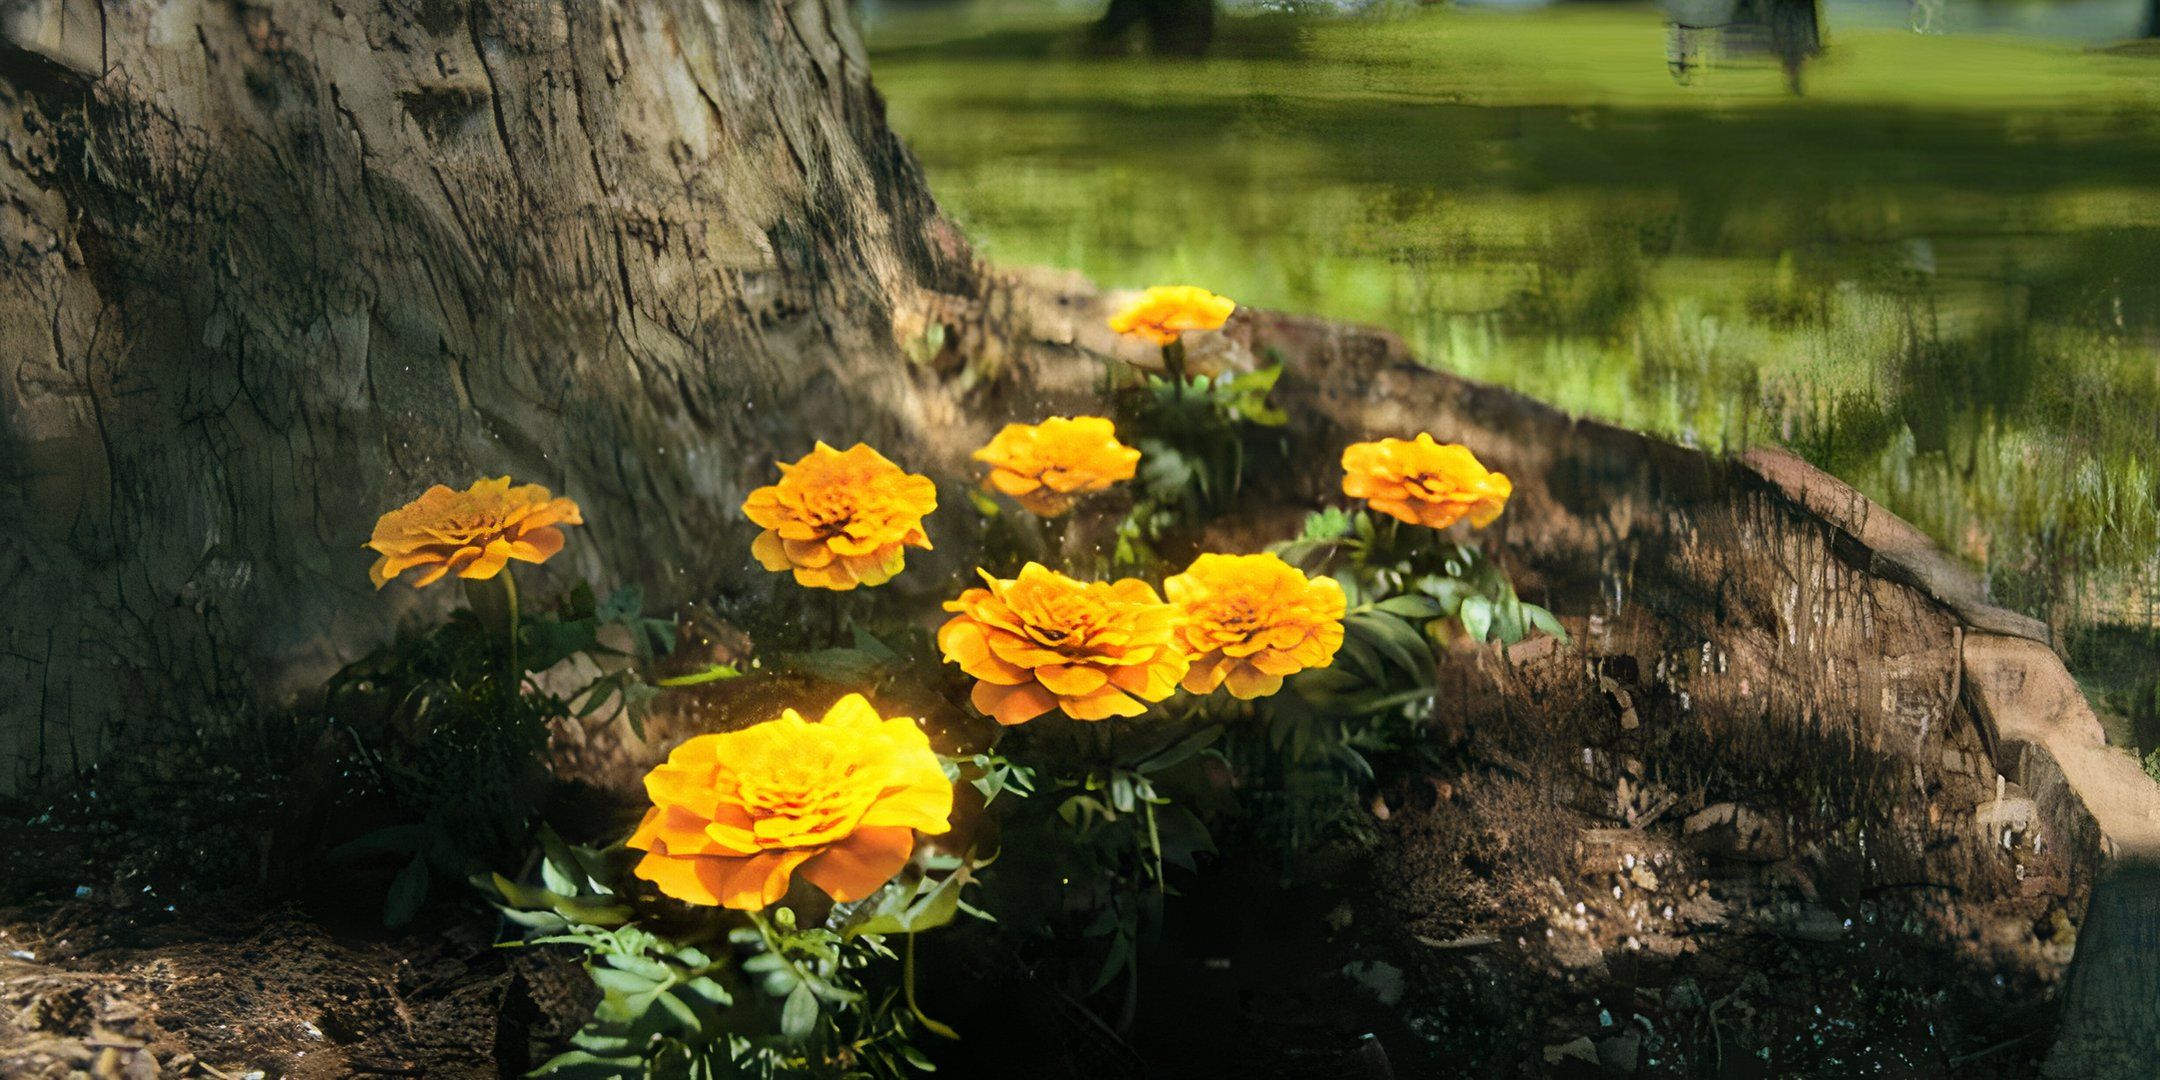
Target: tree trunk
2110,1029
1174,27
272,268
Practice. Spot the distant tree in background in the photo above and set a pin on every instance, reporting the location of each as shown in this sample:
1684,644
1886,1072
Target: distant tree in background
1173,27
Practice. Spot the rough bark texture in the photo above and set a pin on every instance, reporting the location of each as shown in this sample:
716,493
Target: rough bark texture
272,268
2111,1002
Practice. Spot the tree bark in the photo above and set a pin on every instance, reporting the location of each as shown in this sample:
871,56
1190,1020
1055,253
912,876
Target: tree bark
1174,27
273,267
2110,1028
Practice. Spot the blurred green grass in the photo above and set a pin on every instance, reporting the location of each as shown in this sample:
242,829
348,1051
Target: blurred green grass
1934,274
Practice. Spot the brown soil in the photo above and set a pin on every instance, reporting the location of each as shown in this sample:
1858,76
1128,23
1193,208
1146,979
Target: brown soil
137,976
1745,824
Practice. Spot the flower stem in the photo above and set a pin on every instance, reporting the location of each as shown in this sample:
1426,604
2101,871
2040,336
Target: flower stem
1154,837
510,606
1173,360
907,982
1391,538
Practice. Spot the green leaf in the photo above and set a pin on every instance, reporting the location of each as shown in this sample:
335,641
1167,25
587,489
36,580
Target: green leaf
644,967
583,1065
1477,616
407,892
1183,835
559,880
1316,684
391,840
1121,954
1358,657
1508,622
1411,606
582,866
1178,752
798,1018
617,981
1546,621
711,673
913,910
578,603
1398,641
548,642
871,644
657,634
680,1011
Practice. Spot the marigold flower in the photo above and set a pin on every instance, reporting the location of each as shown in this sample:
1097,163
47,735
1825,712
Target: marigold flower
735,814
1249,620
1165,311
839,519
1048,466
472,533
1424,482
1044,641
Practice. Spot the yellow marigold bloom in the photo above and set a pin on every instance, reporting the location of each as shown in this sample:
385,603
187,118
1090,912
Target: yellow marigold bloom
472,533
735,814
1165,311
1048,466
839,519
1249,620
1043,641
1424,482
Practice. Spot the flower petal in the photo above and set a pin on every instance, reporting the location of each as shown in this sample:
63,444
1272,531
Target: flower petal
862,863
1246,682
1011,705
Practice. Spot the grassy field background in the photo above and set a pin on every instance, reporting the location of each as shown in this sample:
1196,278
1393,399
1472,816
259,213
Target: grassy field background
1936,274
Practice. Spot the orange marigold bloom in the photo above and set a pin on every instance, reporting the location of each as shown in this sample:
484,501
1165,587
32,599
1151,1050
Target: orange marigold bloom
1048,466
1042,641
839,519
1424,482
1165,311
472,533
1249,620
735,814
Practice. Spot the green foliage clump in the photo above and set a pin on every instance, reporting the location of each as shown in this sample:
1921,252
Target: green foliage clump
445,725
1200,439
767,998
